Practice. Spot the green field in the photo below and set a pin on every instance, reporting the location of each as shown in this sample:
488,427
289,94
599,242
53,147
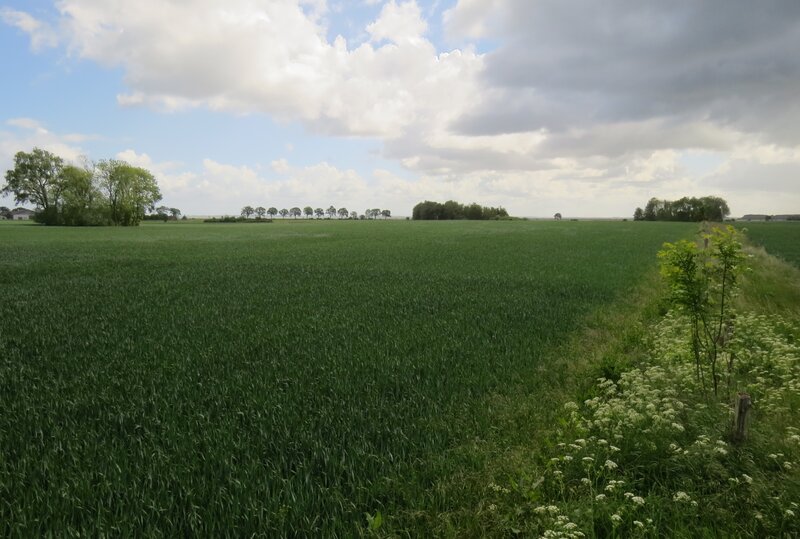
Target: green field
781,239
283,378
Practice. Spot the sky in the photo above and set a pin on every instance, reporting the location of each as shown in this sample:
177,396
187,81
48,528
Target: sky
584,108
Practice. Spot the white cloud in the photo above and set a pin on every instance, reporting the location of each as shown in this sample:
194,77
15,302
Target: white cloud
42,34
401,23
472,19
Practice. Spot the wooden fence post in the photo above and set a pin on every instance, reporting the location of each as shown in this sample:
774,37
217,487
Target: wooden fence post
741,409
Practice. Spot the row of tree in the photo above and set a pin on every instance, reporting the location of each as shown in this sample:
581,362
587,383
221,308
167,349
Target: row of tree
107,192
451,209
709,208
309,212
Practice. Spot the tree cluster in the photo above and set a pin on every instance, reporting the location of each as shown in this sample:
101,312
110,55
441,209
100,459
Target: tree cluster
708,208
451,209
108,192
308,212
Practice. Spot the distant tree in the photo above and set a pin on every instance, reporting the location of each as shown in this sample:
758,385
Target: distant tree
162,212
354,214
247,211
386,213
272,211
319,212
308,211
638,214
284,212
5,212
261,211
362,217
331,211
429,210
373,213
707,208
343,213
557,217
175,212
129,191
295,212
36,179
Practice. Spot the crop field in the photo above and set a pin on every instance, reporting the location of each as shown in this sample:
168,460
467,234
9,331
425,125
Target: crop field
781,239
279,379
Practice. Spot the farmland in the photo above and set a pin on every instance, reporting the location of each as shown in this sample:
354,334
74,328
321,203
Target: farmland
285,378
781,239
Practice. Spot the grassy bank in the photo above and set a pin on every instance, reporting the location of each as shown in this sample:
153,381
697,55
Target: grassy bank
646,451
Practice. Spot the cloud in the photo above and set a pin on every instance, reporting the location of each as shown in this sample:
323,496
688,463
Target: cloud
272,58
564,65
42,34
398,23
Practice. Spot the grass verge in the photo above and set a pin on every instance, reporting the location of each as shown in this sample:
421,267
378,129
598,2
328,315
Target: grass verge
639,449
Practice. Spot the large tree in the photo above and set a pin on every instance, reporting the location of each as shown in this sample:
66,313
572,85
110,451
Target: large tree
36,179
308,211
129,191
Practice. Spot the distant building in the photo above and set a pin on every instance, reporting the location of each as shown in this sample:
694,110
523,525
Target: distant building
786,217
754,217
21,214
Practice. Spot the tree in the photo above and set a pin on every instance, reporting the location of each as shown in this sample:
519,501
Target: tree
295,212
354,215
638,214
702,284
284,212
331,211
129,191
81,199
386,213
451,209
308,211
343,213
261,211
247,211
557,217
175,212
36,178
5,212
319,212
272,211
163,213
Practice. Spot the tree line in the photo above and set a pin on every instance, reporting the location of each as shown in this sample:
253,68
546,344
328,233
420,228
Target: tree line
342,213
451,209
106,192
707,208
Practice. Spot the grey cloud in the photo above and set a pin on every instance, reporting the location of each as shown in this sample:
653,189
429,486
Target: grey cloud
568,64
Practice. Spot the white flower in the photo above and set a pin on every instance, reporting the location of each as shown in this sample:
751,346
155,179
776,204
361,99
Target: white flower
616,519
747,478
789,513
600,497
638,500
681,496
611,465
638,524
